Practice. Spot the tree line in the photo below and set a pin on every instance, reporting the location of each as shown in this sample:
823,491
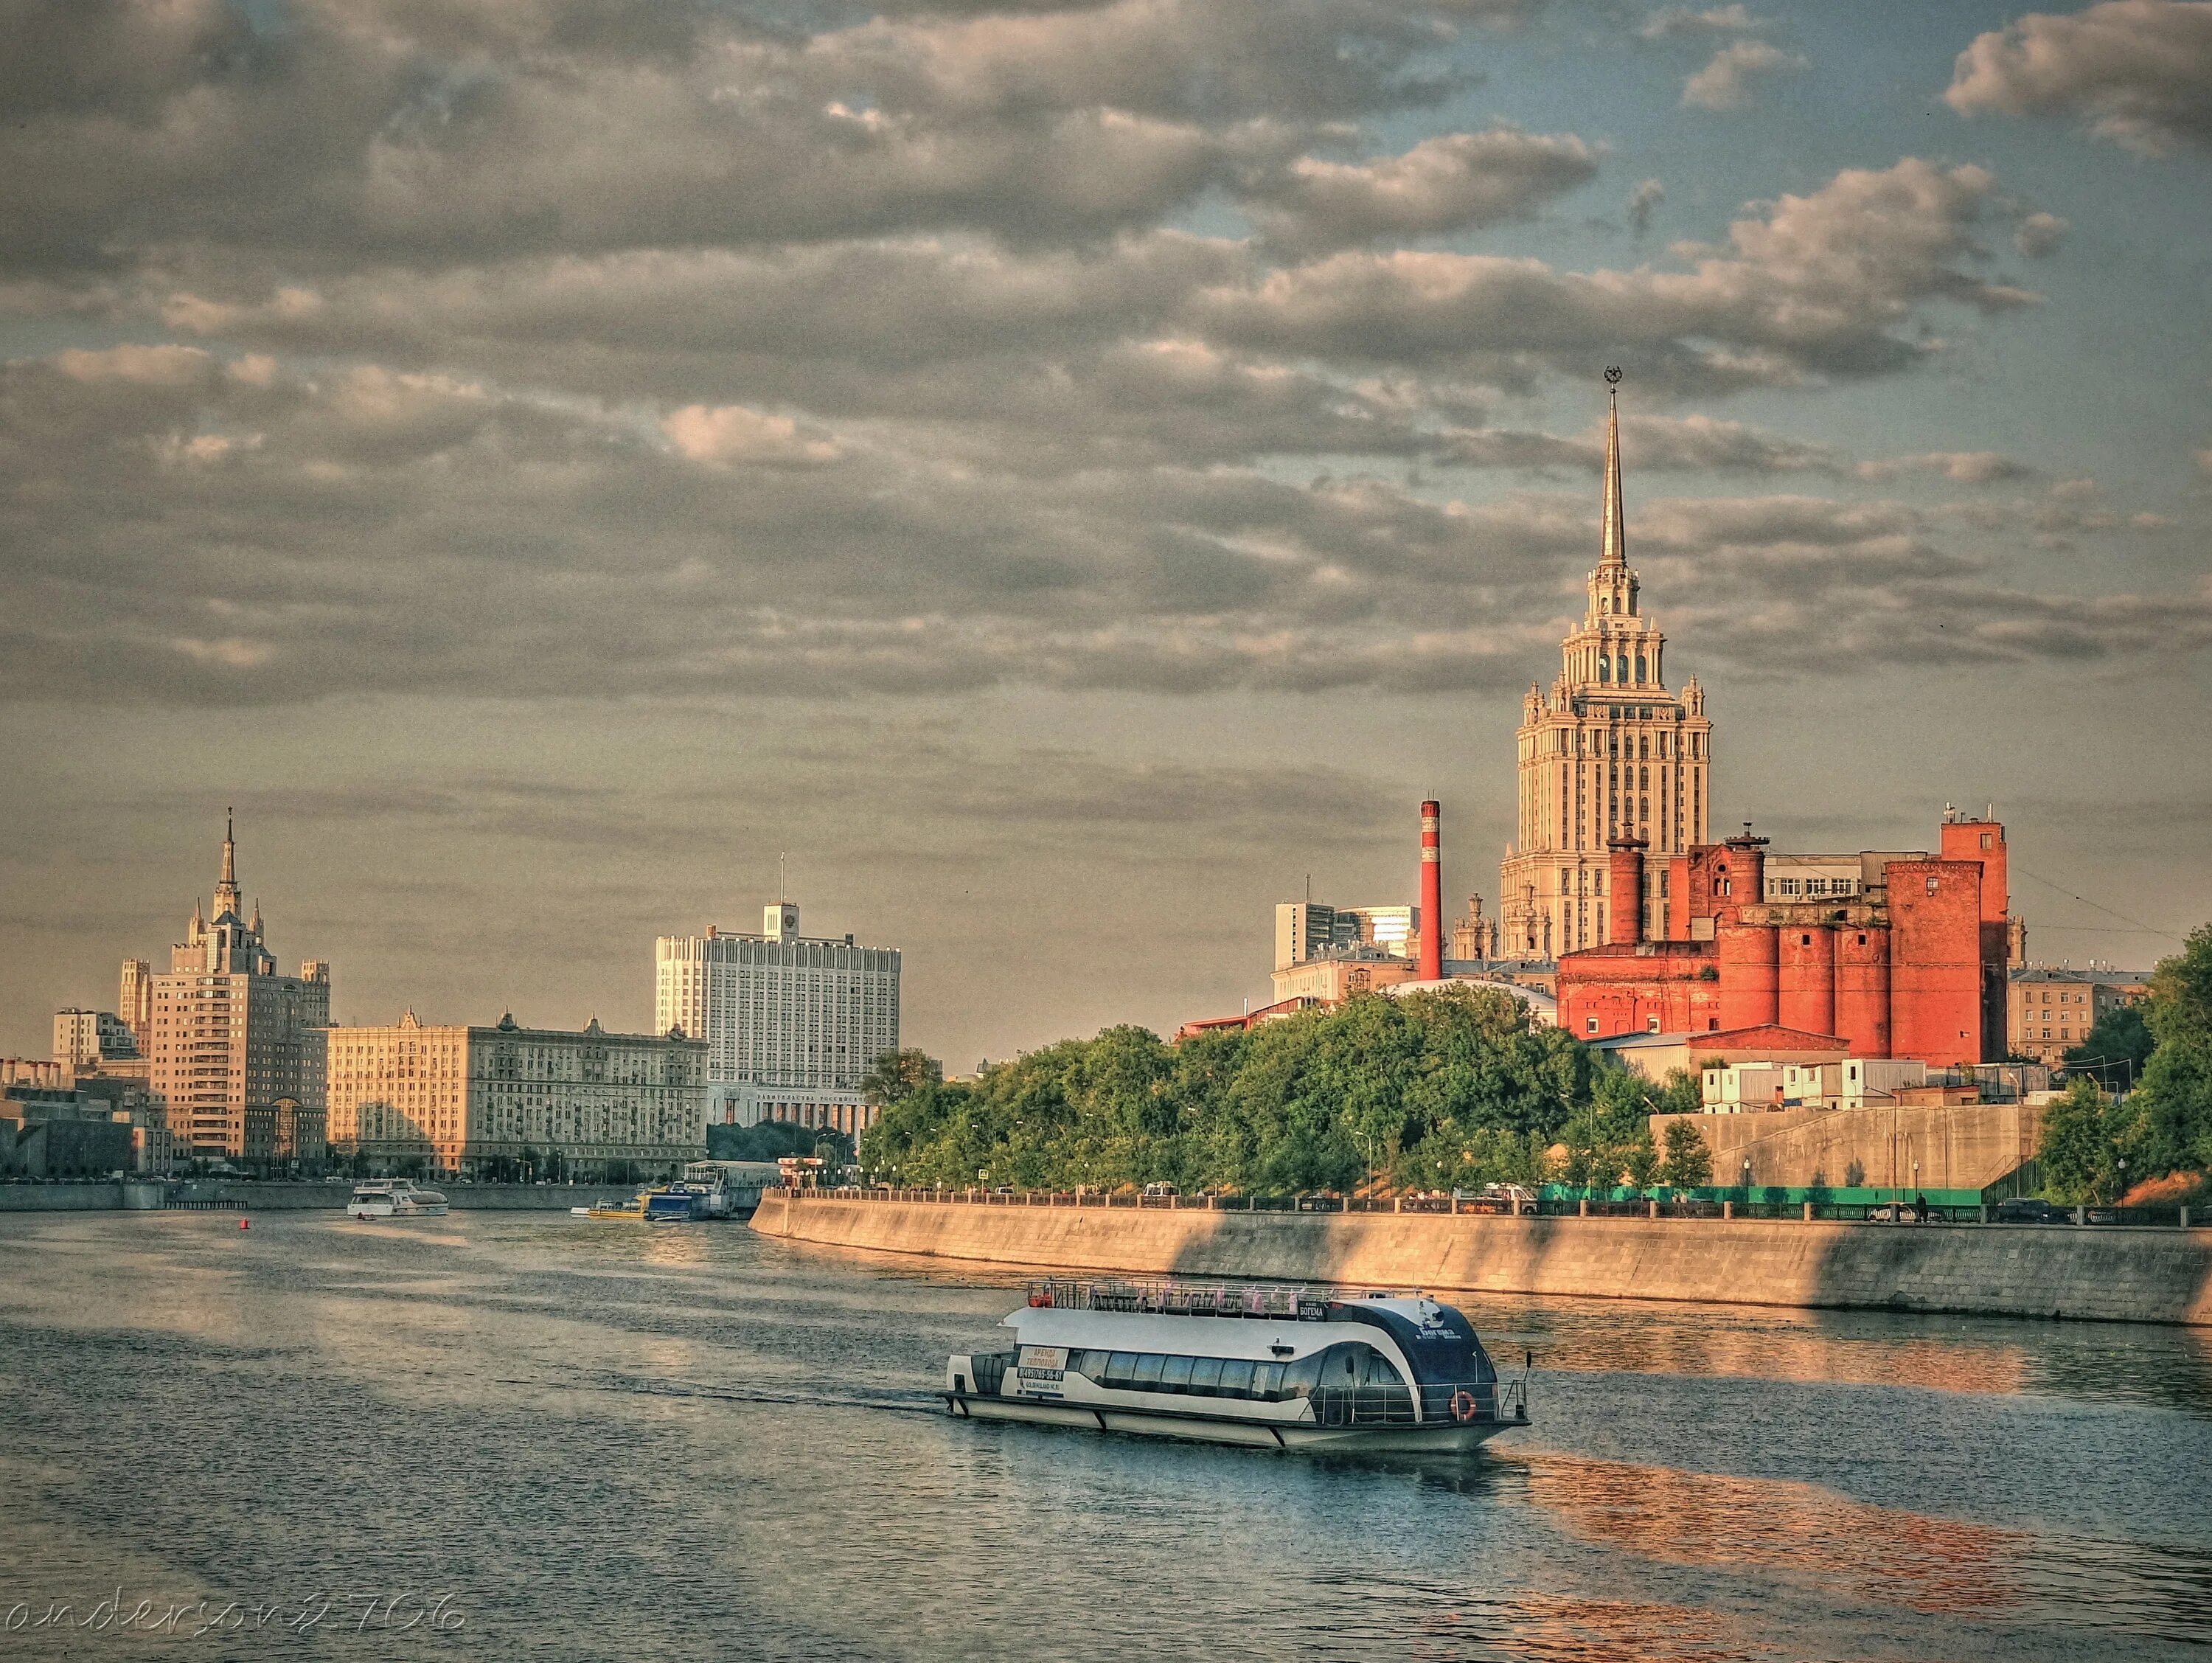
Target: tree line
1449,1089
2094,1146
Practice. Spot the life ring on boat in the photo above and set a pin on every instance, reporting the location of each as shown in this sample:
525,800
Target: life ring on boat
1464,1407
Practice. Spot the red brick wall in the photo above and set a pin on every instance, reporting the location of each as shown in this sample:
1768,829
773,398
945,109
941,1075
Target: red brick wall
1862,990
1625,990
1749,990
1806,975
1935,962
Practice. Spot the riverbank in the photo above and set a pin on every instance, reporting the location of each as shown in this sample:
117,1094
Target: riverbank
2105,1274
221,1195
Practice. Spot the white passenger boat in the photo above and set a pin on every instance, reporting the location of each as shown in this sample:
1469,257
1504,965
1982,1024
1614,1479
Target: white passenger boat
1276,1367
395,1198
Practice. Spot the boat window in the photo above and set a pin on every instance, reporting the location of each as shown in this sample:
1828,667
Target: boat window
1089,1364
1381,1371
1237,1378
1175,1375
1301,1376
1147,1372
1122,1370
1268,1381
1206,1376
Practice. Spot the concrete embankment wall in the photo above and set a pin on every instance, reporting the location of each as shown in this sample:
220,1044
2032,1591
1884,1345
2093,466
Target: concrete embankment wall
2112,1274
136,1196
1969,1146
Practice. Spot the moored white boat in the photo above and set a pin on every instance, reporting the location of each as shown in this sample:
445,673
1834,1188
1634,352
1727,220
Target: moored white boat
1274,1367
395,1198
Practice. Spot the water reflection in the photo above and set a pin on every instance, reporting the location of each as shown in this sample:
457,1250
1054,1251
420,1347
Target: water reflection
1936,1566
619,1440
2107,1361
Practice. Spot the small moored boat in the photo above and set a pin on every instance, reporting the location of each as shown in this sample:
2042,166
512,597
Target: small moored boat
632,1209
1275,1366
395,1198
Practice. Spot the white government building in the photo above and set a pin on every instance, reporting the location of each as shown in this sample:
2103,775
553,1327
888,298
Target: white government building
792,1025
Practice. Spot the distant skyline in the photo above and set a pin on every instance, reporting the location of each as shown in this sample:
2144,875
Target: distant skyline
1064,472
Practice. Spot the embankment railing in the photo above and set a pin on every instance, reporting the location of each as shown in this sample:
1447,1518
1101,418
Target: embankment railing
1895,1213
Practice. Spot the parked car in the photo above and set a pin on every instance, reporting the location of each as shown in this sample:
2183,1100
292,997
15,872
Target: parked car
1162,1189
2030,1209
1895,1212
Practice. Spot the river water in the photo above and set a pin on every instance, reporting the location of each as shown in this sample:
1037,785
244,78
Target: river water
516,1435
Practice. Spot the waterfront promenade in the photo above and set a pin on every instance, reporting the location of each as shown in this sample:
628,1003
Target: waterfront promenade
2114,1273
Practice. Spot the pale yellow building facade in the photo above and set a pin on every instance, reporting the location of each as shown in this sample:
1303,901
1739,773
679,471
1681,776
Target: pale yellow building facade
1608,753
455,1100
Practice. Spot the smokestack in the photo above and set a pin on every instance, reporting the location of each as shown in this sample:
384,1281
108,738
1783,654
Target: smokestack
1627,882
1432,893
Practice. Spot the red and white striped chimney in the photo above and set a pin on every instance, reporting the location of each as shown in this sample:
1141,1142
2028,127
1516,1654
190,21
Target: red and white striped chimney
1432,893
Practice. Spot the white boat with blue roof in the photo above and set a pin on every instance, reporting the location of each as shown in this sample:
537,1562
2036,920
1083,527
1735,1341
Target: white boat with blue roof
1273,1366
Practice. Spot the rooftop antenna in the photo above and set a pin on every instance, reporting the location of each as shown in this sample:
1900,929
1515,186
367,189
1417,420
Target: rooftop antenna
781,896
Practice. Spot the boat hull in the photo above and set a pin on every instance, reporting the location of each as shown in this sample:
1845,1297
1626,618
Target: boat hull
405,1209
1439,1436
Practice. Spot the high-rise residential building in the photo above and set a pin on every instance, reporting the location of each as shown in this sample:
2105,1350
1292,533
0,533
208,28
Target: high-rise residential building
234,1058
793,1025
135,1000
85,1039
458,1099
1609,753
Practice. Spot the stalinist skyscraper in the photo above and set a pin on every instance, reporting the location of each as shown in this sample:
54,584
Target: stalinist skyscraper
1608,755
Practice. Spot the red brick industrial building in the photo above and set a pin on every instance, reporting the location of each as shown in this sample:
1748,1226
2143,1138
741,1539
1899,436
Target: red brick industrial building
1912,966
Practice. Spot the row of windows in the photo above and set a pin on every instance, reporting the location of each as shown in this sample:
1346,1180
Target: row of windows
1577,742
1234,1377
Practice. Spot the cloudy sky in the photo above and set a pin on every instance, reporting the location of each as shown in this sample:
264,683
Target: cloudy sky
1062,473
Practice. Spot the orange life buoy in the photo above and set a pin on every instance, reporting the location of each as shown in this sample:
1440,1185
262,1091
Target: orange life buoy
1464,1407
1040,1301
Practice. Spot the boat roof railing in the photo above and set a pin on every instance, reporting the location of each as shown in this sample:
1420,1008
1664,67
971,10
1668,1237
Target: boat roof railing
1172,1297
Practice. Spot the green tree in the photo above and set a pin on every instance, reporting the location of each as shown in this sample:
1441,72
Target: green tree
2084,1137
2175,1101
898,1075
2115,1051
1689,1164
1642,1163
1441,1089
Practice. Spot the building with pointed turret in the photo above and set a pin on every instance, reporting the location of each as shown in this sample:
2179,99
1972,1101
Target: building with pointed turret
1609,753
234,1050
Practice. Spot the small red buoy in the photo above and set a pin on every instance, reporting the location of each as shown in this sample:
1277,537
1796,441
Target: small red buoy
243,1224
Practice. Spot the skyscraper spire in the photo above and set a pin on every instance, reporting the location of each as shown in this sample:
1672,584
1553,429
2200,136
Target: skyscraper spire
226,888
1615,554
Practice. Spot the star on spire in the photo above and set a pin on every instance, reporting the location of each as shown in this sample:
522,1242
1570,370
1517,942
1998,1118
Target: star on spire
1614,552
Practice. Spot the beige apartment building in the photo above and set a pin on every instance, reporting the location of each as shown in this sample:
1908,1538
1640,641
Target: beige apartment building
1607,752
233,1057
458,1099
2048,1011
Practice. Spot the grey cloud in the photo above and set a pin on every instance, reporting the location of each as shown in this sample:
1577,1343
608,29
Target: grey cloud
1642,201
1726,82
1966,467
1447,183
1816,285
230,534
2138,71
2040,234
1667,22
436,133
1648,441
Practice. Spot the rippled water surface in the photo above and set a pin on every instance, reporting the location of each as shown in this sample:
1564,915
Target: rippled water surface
598,1441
